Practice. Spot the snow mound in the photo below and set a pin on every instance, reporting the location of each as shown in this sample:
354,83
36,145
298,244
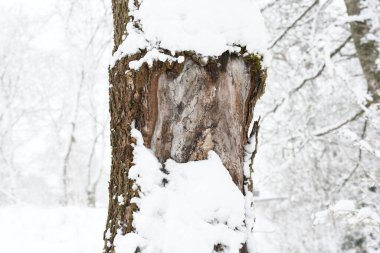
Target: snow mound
193,208
344,206
346,209
208,28
366,215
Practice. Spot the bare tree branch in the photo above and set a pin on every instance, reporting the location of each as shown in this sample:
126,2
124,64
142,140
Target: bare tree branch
357,162
334,127
322,68
269,5
293,24
305,81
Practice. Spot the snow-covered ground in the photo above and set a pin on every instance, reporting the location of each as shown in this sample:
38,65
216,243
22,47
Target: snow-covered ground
36,229
31,229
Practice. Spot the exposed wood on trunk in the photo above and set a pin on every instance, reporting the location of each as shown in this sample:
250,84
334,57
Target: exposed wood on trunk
183,111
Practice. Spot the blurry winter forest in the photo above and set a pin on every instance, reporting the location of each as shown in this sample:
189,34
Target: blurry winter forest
317,171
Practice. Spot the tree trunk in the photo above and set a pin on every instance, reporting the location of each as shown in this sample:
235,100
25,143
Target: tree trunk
183,110
366,48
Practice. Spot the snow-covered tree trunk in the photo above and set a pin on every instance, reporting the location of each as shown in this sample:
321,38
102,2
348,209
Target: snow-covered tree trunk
366,43
183,110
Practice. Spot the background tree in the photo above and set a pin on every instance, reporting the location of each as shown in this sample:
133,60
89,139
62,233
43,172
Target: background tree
315,78
52,119
364,28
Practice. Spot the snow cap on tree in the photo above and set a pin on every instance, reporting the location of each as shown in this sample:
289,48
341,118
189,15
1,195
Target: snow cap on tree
162,29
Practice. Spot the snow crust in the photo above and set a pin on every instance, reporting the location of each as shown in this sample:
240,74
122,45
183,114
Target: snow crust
208,28
192,208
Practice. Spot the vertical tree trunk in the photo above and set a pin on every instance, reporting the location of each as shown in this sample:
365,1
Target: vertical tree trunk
366,48
183,110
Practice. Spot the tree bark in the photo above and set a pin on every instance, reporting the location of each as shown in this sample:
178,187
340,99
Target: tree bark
367,50
183,110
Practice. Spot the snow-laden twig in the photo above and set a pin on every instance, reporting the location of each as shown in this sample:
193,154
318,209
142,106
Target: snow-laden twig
332,128
309,79
282,35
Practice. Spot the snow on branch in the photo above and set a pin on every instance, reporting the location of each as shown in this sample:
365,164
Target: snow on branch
307,80
293,24
208,28
347,210
332,128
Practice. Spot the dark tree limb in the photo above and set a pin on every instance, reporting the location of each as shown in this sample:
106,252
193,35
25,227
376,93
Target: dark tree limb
292,25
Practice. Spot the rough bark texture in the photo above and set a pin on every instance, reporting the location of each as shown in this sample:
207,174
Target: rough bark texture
120,19
367,50
183,111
